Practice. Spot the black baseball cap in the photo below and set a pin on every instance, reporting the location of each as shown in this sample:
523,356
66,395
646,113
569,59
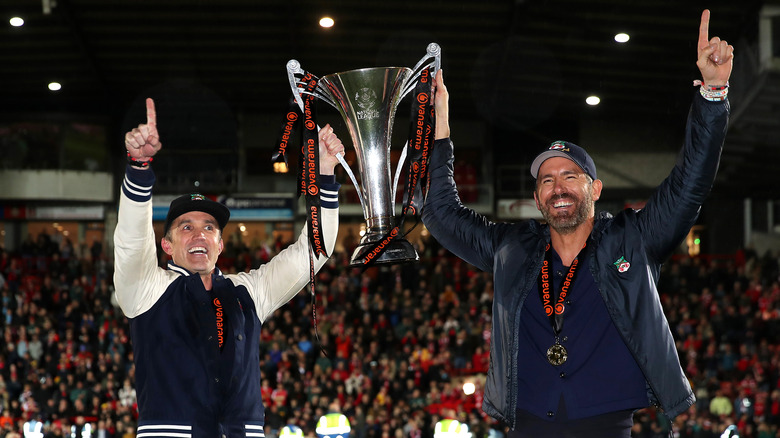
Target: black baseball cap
196,202
565,149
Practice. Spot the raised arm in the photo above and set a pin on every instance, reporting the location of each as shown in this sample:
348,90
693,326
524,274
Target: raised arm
672,210
278,281
462,231
136,274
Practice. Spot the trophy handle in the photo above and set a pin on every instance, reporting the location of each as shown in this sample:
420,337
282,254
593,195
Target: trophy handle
297,85
398,169
293,69
432,58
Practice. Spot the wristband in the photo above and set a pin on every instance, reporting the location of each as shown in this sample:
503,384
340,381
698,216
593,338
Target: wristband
138,164
713,93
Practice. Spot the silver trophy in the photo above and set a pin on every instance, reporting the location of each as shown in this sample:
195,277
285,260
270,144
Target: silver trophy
367,100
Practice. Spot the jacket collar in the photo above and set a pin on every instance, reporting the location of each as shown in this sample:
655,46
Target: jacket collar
183,272
603,218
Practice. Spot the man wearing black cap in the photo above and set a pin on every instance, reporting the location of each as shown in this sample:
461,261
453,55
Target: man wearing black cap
579,339
195,332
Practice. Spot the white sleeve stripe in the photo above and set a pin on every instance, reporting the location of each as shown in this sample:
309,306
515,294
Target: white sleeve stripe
130,190
135,185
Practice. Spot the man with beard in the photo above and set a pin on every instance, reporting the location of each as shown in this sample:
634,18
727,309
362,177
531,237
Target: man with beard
598,275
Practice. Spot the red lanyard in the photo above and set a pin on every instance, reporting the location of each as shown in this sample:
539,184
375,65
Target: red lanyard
555,306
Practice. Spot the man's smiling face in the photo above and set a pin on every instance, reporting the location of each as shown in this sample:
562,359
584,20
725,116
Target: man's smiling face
565,194
194,242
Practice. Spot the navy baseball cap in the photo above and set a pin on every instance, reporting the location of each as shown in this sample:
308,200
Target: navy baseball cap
565,149
196,202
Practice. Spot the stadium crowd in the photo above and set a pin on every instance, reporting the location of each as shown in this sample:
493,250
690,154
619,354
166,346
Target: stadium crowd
390,347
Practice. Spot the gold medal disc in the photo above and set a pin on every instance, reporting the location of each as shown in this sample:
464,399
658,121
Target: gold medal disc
557,355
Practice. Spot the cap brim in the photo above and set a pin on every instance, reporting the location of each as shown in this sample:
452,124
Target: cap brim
218,211
544,156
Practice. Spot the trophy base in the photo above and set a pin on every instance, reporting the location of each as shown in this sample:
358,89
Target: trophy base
398,251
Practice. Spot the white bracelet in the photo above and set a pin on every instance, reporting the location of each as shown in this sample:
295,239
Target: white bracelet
713,93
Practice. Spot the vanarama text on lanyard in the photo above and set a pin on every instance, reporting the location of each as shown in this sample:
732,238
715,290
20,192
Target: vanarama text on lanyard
554,305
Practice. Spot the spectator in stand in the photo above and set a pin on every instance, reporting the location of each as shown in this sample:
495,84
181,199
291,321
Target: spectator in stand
720,405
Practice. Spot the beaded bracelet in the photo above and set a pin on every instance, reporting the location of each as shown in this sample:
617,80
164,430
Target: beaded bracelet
713,93
138,164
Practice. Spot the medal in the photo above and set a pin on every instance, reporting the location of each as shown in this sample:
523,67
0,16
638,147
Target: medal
557,354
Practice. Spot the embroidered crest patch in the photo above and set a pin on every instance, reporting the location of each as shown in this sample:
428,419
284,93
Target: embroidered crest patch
622,264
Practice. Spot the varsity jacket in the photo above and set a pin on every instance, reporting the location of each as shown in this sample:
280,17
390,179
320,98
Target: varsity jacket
514,252
187,386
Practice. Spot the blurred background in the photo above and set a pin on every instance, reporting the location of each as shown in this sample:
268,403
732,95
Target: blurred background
612,76
519,73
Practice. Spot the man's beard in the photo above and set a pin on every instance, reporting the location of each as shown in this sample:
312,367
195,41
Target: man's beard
567,223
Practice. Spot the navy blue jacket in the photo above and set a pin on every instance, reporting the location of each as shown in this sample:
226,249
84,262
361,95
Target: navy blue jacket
514,253
180,370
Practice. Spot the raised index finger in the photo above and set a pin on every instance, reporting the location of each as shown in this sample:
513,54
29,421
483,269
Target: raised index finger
151,114
704,29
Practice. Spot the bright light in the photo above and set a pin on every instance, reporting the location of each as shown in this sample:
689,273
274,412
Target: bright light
593,100
469,388
16,21
327,22
622,37
242,227
55,86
